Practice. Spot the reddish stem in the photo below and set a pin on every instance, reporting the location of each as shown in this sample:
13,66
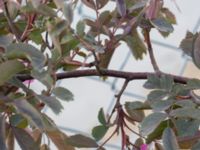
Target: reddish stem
29,26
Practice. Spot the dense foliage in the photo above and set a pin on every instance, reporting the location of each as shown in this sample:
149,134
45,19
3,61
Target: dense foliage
38,39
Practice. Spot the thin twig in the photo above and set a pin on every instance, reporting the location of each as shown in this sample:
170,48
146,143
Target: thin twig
98,23
96,63
29,26
150,50
26,29
118,96
10,22
135,147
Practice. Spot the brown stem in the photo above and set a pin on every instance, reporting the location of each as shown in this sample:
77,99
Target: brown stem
98,23
29,26
118,96
124,137
10,22
111,73
150,50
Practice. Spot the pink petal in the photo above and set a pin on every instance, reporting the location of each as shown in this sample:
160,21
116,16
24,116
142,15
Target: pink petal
144,147
27,82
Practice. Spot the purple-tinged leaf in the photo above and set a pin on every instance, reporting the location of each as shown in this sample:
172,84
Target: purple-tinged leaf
130,25
121,7
153,9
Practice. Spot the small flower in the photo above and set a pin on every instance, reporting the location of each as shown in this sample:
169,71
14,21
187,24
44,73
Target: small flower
144,147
